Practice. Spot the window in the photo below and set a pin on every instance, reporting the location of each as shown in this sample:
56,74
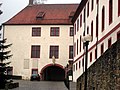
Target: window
74,28
88,9
35,51
77,46
91,57
92,5
78,25
84,15
54,51
34,71
92,29
81,20
40,15
71,31
70,52
80,43
76,66
102,48
79,64
109,42
74,49
118,35
97,25
118,7
87,30
73,67
110,11
36,31
103,19
96,53
83,62
97,1
54,31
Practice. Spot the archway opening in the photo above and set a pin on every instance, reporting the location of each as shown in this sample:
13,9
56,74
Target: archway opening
53,73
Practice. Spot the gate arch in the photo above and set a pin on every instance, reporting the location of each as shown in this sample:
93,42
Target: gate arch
53,72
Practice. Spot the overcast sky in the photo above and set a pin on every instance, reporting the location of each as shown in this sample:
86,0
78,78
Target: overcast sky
12,7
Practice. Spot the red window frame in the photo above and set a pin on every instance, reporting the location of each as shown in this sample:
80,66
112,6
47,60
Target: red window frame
75,28
97,1
76,66
81,20
109,42
92,5
118,7
97,25
73,67
103,18
102,48
83,62
78,25
35,51
90,56
70,52
36,31
54,51
92,29
77,46
96,53
74,49
118,35
84,15
110,11
87,30
54,31
79,64
88,9
71,31
80,42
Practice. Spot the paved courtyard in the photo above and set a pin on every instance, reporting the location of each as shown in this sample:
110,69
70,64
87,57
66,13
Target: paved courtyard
40,85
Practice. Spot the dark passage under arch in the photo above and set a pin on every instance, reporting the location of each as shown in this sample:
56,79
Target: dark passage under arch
53,73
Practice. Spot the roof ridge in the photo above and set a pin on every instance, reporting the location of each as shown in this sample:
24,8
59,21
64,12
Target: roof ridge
54,4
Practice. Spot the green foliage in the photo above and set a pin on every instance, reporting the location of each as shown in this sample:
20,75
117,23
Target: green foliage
4,55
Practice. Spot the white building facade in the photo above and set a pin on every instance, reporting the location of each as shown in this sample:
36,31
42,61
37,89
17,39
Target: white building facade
39,34
23,61
100,19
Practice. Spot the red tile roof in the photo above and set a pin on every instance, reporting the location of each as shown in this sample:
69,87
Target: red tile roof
56,14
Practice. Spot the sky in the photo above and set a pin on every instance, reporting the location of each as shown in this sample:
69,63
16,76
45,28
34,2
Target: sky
12,7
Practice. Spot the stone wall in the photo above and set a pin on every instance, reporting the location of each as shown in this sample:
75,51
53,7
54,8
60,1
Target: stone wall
104,74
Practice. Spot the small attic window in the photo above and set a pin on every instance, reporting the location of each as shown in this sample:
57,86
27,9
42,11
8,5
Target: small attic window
71,14
40,15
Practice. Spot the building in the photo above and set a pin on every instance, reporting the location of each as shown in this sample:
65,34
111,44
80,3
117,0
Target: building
42,38
100,19
1,31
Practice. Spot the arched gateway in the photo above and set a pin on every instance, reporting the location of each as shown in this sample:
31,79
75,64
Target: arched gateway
53,72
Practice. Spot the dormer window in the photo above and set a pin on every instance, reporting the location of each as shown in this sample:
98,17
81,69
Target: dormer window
40,15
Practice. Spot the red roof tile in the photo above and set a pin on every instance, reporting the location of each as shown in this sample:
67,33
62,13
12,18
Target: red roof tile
53,14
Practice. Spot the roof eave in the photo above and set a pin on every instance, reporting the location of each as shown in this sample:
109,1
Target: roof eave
78,11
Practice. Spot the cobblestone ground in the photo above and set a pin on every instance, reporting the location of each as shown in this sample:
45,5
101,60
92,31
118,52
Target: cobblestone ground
40,85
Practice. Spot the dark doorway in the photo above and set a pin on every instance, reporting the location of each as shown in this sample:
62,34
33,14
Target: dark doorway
53,73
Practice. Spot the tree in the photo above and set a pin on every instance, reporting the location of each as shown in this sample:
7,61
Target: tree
4,56
0,10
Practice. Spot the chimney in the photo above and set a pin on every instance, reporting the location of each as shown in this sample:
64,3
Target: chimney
31,2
